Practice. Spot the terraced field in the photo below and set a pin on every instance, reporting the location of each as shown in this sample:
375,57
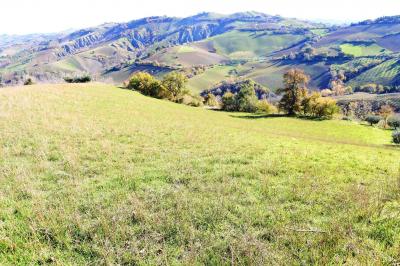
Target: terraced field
386,73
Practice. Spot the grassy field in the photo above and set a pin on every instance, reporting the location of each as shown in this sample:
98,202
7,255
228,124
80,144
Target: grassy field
244,45
93,174
269,73
362,50
209,78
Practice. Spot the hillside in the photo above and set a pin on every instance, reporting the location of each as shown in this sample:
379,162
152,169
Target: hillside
94,174
248,45
100,49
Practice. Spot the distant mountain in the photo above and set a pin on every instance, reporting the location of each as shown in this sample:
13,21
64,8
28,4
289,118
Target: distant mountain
243,45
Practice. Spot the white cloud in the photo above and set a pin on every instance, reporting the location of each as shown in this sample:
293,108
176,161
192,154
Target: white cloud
27,16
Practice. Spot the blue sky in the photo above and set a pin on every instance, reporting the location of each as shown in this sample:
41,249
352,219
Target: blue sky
31,16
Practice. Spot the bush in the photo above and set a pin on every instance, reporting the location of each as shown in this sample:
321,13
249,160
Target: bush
147,85
265,107
174,83
195,101
317,106
229,102
373,119
244,101
84,79
326,107
211,100
28,82
396,137
246,97
394,122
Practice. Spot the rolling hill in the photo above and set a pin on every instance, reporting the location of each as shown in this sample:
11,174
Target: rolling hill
243,45
93,174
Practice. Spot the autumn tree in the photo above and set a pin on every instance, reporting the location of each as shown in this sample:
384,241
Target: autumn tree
146,84
175,84
295,90
385,112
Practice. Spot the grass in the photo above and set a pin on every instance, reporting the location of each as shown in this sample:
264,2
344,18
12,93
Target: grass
269,73
209,78
92,174
362,50
186,49
244,45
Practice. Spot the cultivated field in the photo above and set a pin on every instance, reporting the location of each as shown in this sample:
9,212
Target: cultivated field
93,174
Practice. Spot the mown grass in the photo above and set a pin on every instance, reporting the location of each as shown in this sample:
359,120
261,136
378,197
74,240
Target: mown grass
92,174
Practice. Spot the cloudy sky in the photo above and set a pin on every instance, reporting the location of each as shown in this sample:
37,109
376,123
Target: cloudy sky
32,16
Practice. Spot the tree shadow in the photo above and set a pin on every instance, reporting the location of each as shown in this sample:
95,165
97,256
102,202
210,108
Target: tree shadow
260,116
255,116
311,118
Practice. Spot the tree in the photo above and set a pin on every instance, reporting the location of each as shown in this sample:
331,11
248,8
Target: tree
385,112
229,102
309,103
316,105
394,122
246,97
325,107
396,137
211,100
263,106
175,84
295,81
373,119
28,82
146,84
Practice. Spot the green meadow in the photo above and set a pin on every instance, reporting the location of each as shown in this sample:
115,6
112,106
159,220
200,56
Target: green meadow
362,50
93,174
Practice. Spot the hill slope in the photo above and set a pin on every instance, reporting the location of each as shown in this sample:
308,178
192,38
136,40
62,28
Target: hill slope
92,174
261,45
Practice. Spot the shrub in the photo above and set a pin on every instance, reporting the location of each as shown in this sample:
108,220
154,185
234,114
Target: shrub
28,82
195,101
373,119
396,137
229,102
211,100
325,107
386,111
84,79
147,85
394,122
315,105
246,98
265,107
244,101
174,83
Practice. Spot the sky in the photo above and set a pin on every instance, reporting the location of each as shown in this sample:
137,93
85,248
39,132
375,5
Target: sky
48,16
